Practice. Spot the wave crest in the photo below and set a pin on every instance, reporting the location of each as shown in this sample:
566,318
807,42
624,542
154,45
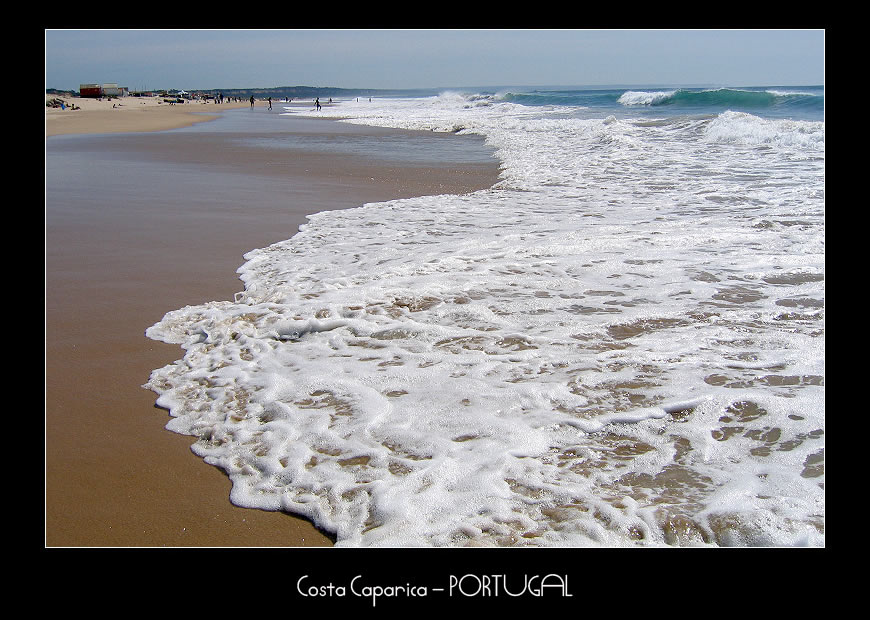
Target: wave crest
750,130
724,97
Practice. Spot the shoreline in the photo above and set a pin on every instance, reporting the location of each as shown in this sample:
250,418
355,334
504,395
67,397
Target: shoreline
115,477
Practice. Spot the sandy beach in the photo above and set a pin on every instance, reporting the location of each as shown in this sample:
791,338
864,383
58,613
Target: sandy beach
143,221
128,114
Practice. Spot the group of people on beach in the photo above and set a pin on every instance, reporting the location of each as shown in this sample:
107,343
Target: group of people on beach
219,98
57,102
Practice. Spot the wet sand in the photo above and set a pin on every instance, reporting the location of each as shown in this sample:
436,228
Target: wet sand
136,225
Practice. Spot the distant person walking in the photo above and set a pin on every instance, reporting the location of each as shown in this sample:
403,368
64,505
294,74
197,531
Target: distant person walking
270,103
317,103
252,101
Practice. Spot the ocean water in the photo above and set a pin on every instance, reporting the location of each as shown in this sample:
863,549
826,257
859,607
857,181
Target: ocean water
620,344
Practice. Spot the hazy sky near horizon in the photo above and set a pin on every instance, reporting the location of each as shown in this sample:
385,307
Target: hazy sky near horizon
399,59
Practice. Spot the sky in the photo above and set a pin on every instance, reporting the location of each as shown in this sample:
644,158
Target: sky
201,59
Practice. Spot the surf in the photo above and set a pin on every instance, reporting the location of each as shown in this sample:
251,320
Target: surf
604,349
722,98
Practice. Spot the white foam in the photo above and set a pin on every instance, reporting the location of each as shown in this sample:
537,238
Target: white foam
747,129
644,98
624,333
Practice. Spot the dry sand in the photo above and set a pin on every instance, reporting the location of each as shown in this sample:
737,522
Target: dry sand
128,114
114,476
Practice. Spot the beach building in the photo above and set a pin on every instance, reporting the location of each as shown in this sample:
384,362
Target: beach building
113,90
104,90
89,90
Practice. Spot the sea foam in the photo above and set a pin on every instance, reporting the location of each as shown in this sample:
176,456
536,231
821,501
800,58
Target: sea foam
620,344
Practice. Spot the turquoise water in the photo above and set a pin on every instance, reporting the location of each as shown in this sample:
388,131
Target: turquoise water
794,102
799,103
